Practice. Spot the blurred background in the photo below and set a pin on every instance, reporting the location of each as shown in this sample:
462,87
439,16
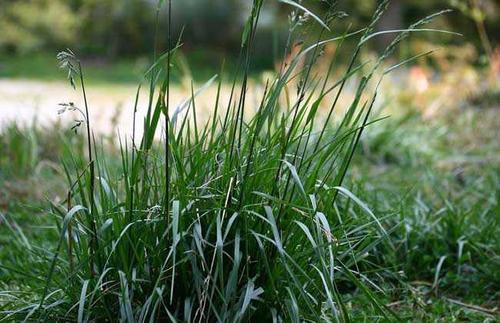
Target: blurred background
114,39
120,33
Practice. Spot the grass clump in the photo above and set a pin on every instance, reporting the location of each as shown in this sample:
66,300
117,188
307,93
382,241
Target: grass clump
239,218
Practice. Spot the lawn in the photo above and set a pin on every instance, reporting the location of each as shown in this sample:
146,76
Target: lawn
103,71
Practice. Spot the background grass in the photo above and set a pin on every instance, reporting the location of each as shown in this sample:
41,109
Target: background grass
99,71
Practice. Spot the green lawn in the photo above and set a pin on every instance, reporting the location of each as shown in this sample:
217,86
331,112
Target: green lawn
44,66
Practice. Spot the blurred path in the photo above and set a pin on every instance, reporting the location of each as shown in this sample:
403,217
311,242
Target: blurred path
28,101
111,105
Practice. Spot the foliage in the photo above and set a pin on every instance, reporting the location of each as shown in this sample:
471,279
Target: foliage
24,29
116,28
